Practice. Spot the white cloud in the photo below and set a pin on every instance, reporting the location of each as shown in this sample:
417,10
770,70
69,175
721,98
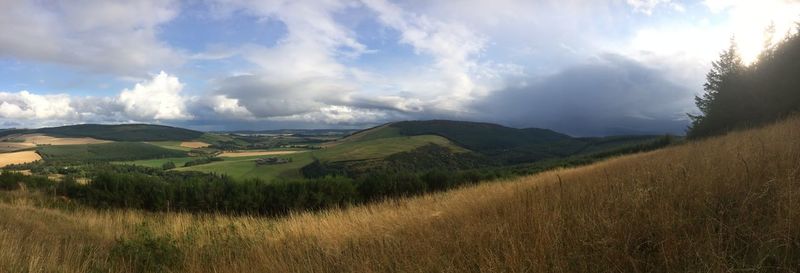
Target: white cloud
453,46
98,35
230,108
338,114
747,20
648,6
28,106
303,71
158,99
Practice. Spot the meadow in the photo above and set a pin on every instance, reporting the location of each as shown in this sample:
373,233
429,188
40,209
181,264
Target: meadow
722,204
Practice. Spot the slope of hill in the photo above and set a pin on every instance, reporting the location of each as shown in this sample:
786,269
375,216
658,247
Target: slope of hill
105,152
719,205
120,132
502,144
479,136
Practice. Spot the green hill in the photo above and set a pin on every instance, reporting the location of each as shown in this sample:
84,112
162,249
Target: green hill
478,136
119,132
105,152
504,144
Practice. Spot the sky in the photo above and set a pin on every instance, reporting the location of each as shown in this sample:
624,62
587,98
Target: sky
582,67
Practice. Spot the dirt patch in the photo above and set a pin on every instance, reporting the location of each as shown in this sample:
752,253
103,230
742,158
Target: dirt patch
18,158
39,139
194,144
257,153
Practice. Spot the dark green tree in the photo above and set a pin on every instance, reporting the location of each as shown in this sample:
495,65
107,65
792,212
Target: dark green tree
168,165
722,77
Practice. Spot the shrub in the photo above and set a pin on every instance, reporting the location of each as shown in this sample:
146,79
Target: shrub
147,252
168,166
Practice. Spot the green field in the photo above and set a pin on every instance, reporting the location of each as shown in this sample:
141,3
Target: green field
175,145
114,151
157,163
245,167
380,147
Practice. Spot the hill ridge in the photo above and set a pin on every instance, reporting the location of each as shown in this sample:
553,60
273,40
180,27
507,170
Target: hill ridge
115,132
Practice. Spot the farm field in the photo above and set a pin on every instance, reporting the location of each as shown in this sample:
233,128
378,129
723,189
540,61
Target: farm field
113,151
159,162
18,158
380,147
15,146
194,144
39,139
174,145
257,153
245,167
27,141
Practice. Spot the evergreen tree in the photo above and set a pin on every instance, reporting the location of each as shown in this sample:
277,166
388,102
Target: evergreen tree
722,77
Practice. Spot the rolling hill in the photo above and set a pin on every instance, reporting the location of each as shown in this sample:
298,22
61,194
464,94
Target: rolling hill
478,136
120,132
500,143
105,152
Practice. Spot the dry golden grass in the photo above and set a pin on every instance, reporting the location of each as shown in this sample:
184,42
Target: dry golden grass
194,144
18,158
719,205
256,153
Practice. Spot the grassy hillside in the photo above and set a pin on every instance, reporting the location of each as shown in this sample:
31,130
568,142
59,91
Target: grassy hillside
719,205
114,151
121,132
500,144
478,136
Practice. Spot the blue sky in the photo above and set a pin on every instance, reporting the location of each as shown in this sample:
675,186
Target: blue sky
583,67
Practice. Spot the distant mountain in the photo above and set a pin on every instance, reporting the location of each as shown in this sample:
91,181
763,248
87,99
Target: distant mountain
120,132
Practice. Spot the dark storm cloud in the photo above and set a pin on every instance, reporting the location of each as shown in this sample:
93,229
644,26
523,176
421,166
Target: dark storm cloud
609,95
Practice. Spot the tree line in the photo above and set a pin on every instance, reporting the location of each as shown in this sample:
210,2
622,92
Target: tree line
738,95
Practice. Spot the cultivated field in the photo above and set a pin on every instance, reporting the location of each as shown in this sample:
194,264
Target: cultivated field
245,167
726,204
39,139
256,153
15,146
18,158
194,144
27,141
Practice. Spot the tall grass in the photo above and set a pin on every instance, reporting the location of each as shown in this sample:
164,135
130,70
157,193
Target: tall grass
719,205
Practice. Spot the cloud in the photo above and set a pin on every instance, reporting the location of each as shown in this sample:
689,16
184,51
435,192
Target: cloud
158,99
311,68
27,106
609,95
647,6
453,47
747,20
302,72
119,37
155,100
